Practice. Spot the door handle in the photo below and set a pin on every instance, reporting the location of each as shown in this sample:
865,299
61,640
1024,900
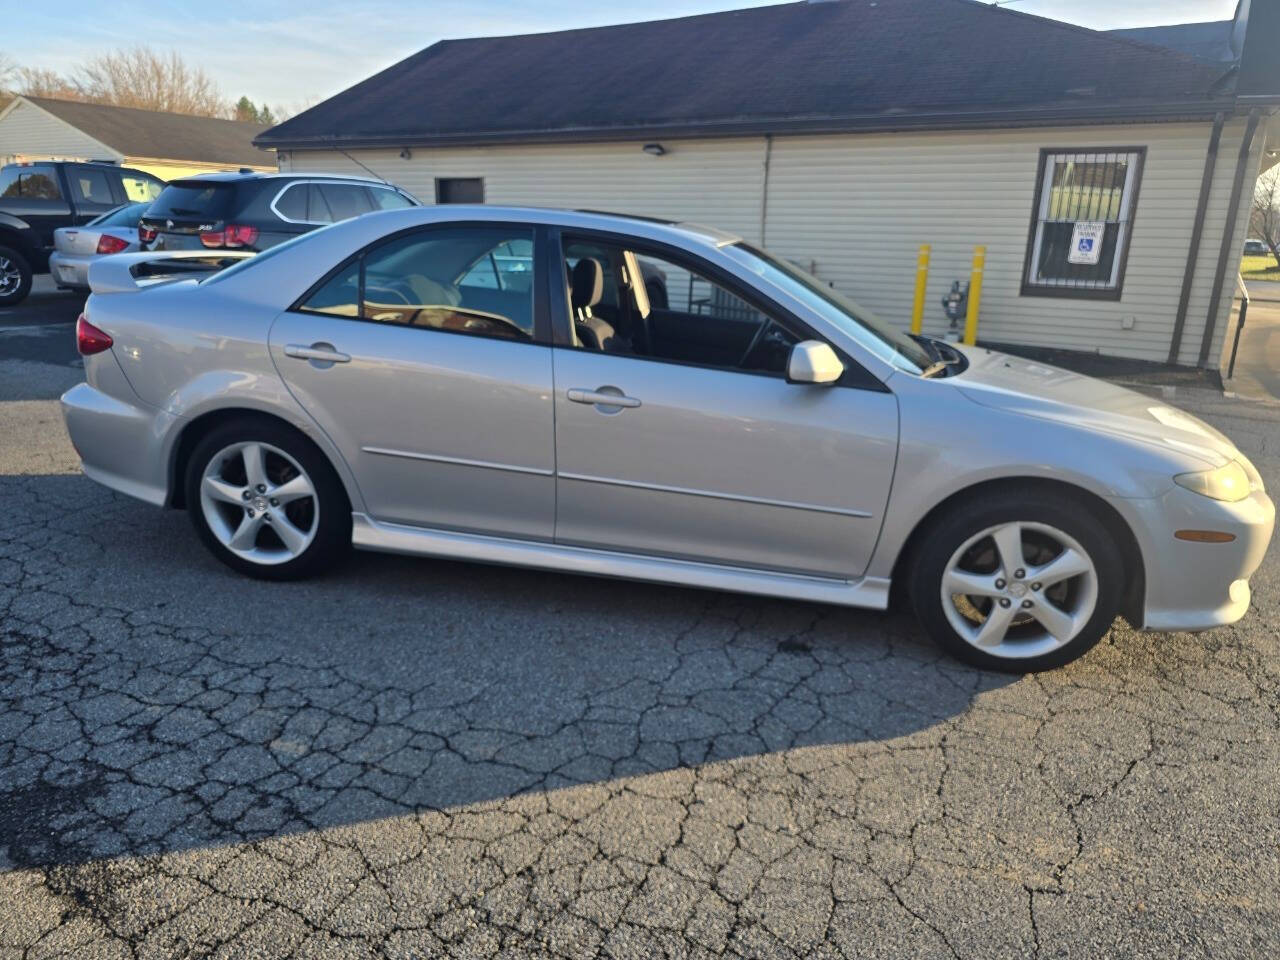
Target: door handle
323,352
604,397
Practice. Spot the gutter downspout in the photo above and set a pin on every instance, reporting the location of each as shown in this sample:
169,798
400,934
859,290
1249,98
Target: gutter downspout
1197,231
1228,235
764,195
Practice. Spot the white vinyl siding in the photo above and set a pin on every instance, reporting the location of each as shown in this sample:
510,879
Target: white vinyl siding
29,133
854,209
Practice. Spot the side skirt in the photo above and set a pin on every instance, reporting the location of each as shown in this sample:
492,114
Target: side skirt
368,534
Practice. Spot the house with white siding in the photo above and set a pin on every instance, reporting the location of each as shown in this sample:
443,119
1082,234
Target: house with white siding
1108,177
168,145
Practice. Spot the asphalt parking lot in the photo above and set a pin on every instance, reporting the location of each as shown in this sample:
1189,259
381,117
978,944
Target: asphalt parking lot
415,758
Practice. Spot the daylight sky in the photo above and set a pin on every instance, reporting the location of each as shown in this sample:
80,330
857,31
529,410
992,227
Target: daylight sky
293,53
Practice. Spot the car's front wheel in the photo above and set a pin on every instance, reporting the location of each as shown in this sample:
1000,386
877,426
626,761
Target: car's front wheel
266,502
15,277
1018,582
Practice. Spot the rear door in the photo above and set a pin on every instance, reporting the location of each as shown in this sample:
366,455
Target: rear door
91,190
436,390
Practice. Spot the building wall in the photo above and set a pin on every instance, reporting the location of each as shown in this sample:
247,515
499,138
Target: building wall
29,133
173,169
855,208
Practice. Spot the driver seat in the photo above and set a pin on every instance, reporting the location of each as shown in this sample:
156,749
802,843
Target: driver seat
586,289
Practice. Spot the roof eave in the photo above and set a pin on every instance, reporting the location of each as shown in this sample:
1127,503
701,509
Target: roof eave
1033,116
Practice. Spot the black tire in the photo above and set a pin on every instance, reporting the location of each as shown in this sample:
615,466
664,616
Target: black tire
971,517
8,255
332,541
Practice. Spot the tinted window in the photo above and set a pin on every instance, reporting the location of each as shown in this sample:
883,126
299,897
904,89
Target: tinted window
459,190
385,199
33,183
345,200
140,189
193,199
90,185
126,216
292,203
420,280
340,294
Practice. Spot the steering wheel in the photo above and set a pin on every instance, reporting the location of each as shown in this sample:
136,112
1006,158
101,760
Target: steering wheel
755,342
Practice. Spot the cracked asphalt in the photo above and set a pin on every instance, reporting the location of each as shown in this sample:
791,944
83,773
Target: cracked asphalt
413,758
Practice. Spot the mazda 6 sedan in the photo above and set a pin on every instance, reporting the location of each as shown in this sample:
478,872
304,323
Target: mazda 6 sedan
389,383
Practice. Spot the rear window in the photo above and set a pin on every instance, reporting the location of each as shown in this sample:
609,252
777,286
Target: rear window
126,216
192,199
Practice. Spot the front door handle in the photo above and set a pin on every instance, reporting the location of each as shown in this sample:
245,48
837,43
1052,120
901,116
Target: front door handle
602,397
323,352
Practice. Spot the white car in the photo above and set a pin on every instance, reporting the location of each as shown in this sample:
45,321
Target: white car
116,231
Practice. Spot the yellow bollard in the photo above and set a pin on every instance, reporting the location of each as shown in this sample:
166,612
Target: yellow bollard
922,278
975,296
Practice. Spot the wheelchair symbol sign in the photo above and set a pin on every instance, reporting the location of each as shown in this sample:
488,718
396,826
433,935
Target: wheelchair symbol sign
1086,242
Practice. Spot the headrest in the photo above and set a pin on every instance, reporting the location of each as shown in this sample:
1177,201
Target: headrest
588,283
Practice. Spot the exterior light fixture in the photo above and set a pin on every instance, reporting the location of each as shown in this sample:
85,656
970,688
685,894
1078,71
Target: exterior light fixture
406,154
654,149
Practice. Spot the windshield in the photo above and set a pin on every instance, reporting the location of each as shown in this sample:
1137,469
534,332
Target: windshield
125,216
888,344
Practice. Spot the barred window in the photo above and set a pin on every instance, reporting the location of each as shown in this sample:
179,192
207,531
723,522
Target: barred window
1080,228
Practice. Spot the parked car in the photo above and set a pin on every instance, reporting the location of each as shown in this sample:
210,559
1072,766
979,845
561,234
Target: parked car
116,231
256,211
38,198
1255,248
758,432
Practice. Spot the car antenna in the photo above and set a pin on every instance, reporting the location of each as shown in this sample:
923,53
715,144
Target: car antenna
375,176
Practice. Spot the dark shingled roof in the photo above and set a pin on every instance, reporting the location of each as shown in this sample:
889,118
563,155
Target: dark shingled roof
842,64
1209,41
162,136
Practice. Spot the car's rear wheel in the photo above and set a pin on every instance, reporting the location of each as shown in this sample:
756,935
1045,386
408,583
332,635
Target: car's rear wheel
266,502
15,277
1018,583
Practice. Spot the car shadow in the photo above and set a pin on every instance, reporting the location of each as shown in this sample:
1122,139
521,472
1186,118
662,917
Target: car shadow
155,701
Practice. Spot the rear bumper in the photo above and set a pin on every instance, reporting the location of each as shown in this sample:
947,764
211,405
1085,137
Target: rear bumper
1198,586
70,270
121,446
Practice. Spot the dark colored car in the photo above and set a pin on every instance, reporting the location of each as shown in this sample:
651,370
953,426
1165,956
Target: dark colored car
37,198
1255,248
255,211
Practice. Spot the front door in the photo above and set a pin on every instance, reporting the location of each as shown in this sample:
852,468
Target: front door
425,373
677,434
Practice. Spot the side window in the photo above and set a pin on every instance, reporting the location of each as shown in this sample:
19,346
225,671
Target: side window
317,206
384,199
340,294
91,186
508,266
345,200
140,189
33,183
292,202
653,306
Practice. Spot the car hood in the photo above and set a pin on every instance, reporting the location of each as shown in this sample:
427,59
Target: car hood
1035,389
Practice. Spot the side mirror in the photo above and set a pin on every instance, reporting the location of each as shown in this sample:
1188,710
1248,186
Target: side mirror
813,361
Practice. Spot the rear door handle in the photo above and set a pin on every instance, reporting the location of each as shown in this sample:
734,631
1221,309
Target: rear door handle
324,352
604,397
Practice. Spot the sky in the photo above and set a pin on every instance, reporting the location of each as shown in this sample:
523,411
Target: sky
293,53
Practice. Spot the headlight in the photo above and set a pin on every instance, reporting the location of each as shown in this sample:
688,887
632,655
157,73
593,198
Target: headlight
1229,483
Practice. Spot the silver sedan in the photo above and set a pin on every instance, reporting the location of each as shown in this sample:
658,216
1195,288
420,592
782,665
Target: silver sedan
394,382
116,231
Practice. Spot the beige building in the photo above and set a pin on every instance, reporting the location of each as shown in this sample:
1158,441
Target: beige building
1107,177
169,145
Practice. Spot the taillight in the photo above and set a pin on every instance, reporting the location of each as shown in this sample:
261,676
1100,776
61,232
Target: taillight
89,339
145,234
232,235
110,244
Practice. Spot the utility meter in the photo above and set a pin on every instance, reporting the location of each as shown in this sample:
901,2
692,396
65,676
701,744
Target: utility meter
956,304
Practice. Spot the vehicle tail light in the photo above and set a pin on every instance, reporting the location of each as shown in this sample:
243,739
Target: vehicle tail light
146,234
110,244
89,339
232,236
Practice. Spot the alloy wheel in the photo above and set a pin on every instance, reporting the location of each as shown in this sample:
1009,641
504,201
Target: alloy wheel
10,277
1019,590
259,502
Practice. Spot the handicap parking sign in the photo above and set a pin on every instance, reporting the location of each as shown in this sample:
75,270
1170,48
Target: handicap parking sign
1086,242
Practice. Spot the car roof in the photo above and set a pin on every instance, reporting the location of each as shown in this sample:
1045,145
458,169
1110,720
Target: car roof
236,176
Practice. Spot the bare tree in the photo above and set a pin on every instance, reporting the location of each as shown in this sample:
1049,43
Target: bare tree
149,80
8,73
45,83
1264,220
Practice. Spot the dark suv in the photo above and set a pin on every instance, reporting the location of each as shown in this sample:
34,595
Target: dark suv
254,211
38,197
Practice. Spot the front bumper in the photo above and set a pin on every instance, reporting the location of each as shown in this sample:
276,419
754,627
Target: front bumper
70,270
121,446
1191,585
